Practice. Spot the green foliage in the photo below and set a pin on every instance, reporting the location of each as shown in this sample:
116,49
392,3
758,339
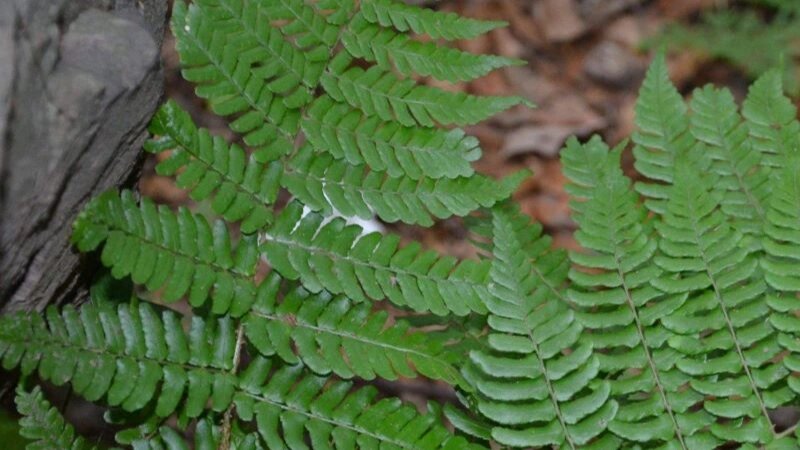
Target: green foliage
330,105
534,381
675,326
43,425
341,259
334,334
752,39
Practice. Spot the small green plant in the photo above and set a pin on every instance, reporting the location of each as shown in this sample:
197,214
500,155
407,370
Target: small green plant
676,327
745,38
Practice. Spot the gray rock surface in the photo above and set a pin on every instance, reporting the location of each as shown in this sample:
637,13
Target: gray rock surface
79,79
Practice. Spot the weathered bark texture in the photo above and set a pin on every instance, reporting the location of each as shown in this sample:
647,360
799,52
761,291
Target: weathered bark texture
79,80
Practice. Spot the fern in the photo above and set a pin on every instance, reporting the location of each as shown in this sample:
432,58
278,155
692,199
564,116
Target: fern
717,123
534,383
342,260
613,289
242,189
331,334
662,134
122,355
771,118
179,253
44,425
675,326
752,39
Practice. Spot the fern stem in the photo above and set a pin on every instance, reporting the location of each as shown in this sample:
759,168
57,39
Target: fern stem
225,441
788,431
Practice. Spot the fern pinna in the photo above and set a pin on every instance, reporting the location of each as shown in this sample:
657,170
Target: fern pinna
675,327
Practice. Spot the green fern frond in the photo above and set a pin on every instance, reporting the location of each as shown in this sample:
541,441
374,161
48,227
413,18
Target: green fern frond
535,383
662,133
728,348
782,248
326,185
231,83
347,134
179,253
332,334
436,24
336,257
309,29
380,93
743,187
286,68
206,436
611,287
391,50
131,357
123,354
771,118
242,190
44,425
548,265
291,408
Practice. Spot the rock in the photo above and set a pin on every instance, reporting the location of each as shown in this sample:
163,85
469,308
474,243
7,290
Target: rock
598,12
86,79
628,31
611,64
559,19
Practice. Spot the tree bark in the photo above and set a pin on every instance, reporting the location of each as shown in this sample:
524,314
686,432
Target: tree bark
79,80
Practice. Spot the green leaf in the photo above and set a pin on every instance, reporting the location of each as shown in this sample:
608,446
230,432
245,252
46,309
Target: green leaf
436,24
340,259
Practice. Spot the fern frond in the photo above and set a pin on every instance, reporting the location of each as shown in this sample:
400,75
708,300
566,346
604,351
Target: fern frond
782,248
743,186
346,133
662,133
308,28
380,93
132,357
179,253
44,425
549,266
206,436
611,287
389,50
123,354
771,118
291,408
286,69
231,83
336,257
535,383
729,350
243,190
324,184
332,334
436,24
